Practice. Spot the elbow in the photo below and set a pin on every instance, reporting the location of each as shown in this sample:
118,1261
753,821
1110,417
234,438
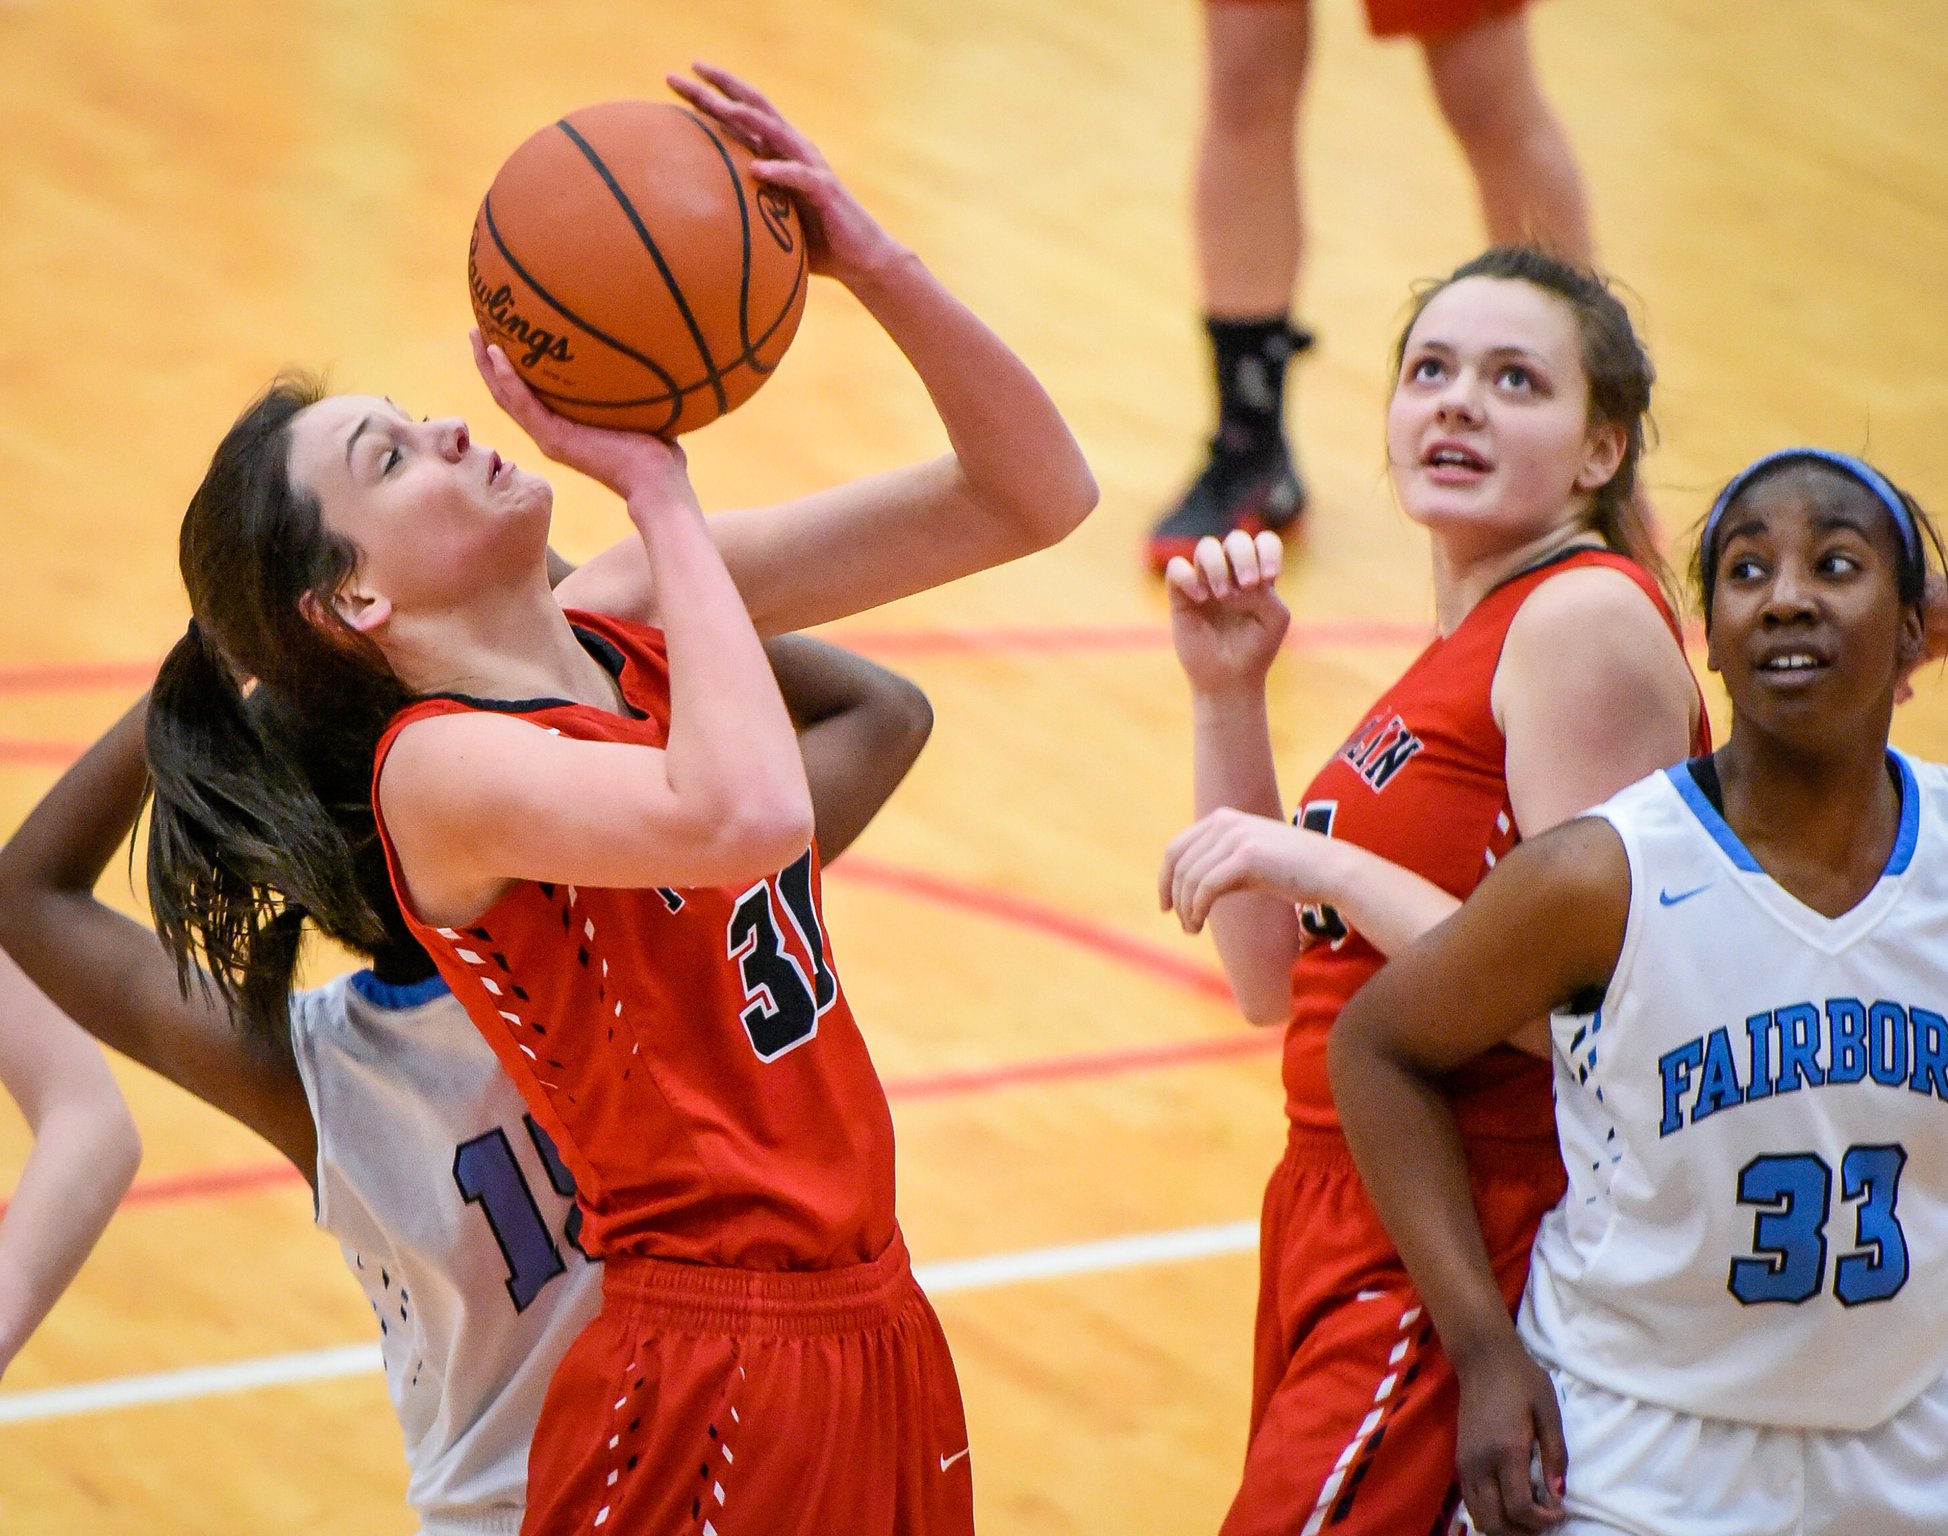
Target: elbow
120,1150
1263,993
765,834
99,1134
909,724
16,891
1360,1053
1077,499
1044,515
1265,1012
1065,500
1340,1051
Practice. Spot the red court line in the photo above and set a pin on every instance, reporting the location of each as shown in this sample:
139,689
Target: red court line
1105,637
205,1183
1020,911
77,675
54,754
1005,639
1089,1064
1046,640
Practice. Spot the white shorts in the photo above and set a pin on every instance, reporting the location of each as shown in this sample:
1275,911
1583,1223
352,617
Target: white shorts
1646,1470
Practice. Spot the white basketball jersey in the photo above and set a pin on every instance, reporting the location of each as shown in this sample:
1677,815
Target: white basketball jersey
1755,1125
456,1217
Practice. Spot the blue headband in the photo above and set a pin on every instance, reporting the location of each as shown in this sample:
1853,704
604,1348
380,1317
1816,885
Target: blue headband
1857,470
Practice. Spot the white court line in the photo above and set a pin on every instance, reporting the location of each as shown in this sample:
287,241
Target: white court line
200,1381
358,1359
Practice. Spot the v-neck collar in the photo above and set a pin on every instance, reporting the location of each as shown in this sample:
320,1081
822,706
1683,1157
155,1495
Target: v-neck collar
1830,934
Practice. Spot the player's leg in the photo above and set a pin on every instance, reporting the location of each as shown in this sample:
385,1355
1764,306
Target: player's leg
1484,79
1246,215
1345,1434
632,1432
929,1428
851,1415
1357,1436
716,1400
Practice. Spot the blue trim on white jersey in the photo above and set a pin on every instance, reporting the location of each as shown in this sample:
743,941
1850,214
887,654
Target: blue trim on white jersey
1910,831
390,994
1906,835
1710,820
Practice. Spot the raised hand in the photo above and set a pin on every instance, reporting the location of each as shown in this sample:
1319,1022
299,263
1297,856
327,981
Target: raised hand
645,471
1226,616
842,240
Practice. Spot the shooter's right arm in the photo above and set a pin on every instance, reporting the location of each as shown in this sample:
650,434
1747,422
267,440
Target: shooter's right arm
109,973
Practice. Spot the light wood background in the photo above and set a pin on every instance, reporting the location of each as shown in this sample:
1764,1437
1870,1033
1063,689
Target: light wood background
195,192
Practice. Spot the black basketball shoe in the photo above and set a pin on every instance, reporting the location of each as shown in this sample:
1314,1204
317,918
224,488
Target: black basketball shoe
1258,491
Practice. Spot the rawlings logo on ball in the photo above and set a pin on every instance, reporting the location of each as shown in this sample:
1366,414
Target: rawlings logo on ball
497,306
774,207
640,231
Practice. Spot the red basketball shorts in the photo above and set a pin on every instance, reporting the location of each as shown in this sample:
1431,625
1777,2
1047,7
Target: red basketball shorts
1415,18
735,1403
1352,1401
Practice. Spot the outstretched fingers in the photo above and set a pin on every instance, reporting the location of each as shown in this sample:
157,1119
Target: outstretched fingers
735,87
745,112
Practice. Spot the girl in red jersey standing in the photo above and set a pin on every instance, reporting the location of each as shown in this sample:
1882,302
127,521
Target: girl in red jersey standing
599,830
1557,676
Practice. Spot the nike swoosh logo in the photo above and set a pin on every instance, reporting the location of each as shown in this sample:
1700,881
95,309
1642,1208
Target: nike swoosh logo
1666,899
959,1455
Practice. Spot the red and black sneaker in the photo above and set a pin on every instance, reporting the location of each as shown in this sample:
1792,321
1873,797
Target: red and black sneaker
1255,491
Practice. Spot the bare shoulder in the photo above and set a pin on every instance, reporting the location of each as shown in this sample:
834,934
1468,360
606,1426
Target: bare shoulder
616,582
1592,626
1596,606
439,765
437,738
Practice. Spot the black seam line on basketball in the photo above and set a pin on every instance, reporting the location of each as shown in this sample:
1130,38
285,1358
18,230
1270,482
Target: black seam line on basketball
494,234
669,278
744,225
679,391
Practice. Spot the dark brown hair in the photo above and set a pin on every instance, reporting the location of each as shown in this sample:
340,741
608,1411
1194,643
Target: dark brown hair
1615,363
261,734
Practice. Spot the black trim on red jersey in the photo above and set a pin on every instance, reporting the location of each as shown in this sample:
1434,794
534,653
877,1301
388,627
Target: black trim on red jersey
612,660
1556,559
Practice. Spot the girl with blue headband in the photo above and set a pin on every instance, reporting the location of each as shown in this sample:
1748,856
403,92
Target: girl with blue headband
1734,1320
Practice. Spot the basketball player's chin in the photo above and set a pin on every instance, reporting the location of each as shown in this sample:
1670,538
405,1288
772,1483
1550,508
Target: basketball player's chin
521,495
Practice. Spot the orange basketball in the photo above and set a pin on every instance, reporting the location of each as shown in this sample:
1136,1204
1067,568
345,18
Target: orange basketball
634,270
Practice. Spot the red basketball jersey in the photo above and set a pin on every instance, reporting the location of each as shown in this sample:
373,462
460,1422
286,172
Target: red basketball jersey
690,1051
1423,784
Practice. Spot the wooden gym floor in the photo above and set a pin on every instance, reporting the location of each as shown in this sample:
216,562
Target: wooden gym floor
195,192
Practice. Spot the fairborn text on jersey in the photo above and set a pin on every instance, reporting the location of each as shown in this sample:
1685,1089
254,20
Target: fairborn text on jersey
1795,1046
